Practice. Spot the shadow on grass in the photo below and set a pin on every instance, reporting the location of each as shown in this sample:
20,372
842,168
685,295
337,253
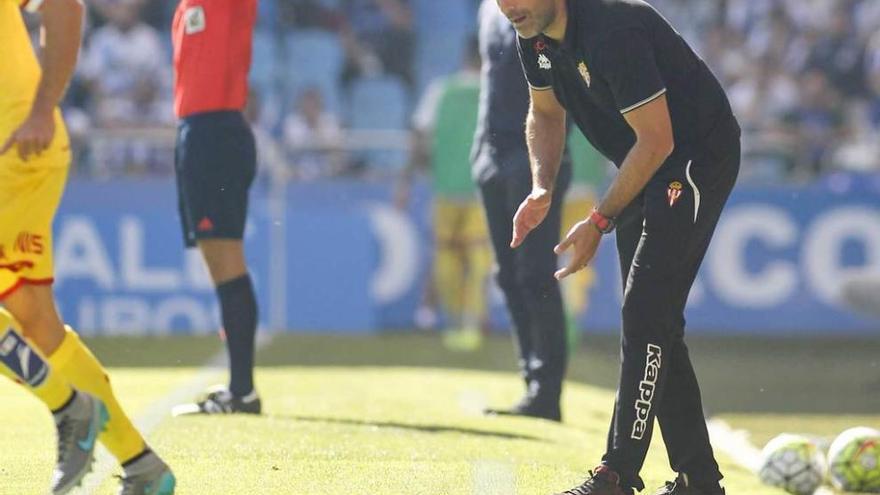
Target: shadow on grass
432,429
823,375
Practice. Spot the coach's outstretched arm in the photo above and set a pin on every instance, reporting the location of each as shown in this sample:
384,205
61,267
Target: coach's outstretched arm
545,136
62,32
654,143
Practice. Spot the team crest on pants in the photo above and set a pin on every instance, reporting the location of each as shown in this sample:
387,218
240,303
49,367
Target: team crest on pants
674,192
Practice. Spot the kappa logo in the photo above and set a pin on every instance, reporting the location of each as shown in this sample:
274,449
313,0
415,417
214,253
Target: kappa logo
674,192
544,62
24,359
194,20
27,365
585,72
647,390
8,345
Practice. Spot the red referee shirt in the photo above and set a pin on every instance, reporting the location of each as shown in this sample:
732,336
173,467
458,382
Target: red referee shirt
212,54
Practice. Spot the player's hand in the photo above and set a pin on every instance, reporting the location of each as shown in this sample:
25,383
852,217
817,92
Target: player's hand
530,214
584,237
33,136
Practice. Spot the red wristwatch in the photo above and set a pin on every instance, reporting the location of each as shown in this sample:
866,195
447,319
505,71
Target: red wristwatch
602,223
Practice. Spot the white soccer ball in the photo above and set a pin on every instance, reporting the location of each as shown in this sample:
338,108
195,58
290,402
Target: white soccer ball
793,463
854,461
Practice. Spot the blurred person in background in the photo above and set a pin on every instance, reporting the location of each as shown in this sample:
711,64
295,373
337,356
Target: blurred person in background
378,37
501,169
121,59
818,124
125,71
443,131
37,349
311,138
840,54
215,164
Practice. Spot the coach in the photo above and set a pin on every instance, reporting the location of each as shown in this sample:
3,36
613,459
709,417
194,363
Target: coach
648,103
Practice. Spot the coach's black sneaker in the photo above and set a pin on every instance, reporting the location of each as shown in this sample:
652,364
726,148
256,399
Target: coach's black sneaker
531,408
682,486
602,481
221,401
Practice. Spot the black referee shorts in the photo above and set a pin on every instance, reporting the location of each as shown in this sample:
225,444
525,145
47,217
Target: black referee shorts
215,164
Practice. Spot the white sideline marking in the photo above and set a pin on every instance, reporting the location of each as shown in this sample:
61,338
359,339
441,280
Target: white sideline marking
157,412
736,444
494,478
490,477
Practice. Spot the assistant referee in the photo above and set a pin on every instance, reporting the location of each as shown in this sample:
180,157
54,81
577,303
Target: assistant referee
648,103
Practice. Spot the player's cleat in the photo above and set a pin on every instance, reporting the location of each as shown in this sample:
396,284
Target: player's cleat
531,408
220,400
147,476
602,481
682,486
78,425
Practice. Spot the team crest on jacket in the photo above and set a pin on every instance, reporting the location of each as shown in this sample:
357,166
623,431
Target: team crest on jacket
674,192
585,73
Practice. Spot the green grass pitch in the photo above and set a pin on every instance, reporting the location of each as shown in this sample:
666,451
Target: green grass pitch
398,415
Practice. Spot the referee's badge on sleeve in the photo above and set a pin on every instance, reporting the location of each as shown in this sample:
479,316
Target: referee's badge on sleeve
194,19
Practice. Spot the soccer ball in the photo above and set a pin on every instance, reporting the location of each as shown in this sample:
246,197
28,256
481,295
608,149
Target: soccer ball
854,460
793,463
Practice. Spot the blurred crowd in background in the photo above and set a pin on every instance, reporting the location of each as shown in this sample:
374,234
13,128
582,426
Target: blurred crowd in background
803,77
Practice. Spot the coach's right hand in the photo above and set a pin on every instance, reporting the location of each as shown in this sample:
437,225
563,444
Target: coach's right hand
530,214
33,136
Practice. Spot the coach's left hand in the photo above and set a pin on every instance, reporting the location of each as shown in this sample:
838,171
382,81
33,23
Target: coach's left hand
585,238
33,136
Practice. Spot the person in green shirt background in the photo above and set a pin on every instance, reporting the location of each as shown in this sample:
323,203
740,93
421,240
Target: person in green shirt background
444,123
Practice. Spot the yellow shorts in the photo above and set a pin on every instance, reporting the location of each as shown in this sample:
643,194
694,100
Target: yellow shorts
29,195
459,221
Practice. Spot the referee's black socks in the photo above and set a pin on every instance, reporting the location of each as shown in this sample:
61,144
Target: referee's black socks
238,308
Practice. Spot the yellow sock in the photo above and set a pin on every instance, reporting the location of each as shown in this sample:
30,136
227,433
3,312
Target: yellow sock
75,362
23,364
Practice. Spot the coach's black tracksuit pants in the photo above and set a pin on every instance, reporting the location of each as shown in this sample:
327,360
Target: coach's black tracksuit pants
661,239
525,276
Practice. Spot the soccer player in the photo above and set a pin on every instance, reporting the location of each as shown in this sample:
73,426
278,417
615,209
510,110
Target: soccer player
36,349
525,275
650,105
215,166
